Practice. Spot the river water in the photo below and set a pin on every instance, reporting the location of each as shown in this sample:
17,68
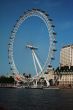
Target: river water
36,99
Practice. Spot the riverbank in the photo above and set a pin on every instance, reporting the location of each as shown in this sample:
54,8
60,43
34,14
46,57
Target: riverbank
26,87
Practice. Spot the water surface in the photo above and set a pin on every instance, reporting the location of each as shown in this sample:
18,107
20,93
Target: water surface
35,99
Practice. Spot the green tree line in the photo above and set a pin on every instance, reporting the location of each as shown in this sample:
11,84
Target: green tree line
4,79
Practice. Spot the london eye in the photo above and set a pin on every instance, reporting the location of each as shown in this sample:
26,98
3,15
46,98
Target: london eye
51,39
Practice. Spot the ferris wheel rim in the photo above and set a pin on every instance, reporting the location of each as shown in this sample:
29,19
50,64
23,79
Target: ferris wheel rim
50,27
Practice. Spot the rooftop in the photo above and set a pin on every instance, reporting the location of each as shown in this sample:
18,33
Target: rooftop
71,45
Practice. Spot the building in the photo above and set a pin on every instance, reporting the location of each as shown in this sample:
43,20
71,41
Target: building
66,79
66,56
64,76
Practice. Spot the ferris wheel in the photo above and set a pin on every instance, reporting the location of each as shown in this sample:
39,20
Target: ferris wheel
51,36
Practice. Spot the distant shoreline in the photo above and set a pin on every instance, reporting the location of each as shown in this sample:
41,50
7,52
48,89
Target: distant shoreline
51,87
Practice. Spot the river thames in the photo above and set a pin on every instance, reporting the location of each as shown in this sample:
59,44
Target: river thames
36,99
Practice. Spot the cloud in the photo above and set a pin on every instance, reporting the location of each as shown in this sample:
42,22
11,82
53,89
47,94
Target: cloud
66,25
52,3
36,1
55,4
